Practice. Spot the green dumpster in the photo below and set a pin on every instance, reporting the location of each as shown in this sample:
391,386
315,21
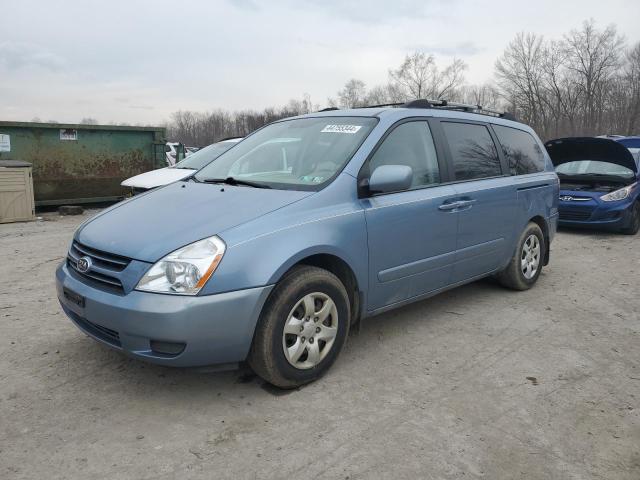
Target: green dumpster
74,163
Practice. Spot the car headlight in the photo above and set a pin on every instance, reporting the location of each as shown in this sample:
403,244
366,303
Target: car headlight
616,195
185,271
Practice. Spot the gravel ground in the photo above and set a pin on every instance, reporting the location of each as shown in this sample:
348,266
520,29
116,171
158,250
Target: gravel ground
478,382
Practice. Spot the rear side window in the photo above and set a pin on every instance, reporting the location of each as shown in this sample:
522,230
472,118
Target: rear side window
522,151
472,149
410,144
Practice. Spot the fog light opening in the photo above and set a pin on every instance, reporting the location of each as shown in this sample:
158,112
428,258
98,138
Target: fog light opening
167,348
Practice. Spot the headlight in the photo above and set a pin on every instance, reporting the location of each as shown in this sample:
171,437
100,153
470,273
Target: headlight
618,194
185,271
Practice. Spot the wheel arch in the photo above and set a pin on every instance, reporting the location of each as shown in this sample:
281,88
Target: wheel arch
334,263
544,226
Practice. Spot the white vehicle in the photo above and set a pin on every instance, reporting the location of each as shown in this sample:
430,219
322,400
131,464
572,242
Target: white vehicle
171,152
184,168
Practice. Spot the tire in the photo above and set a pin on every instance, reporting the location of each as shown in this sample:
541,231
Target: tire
634,226
516,276
307,357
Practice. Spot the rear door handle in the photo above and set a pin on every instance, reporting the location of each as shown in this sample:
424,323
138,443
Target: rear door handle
456,205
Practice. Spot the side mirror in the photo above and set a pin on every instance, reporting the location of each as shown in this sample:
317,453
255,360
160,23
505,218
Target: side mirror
390,178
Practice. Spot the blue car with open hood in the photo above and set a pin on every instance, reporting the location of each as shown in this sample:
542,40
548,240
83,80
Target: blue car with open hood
274,251
599,183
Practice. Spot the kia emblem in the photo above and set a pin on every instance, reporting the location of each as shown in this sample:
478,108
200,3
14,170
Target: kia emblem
84,264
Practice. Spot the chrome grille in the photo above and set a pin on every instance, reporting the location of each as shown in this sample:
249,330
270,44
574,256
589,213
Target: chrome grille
103,259
105,270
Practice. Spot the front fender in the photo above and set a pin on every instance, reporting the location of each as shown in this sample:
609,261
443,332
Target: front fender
263,259
316,250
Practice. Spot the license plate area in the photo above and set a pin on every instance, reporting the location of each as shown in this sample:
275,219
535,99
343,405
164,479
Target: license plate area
73,297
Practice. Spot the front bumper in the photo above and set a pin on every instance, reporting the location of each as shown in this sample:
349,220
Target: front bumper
214,329
596,214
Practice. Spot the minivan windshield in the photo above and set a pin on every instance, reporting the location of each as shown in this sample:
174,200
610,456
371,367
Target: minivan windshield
199,159
298,154
593,167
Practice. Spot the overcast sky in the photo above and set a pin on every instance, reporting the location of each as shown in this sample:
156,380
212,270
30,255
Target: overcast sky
138,61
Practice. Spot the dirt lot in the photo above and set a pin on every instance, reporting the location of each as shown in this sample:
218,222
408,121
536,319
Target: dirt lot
478,382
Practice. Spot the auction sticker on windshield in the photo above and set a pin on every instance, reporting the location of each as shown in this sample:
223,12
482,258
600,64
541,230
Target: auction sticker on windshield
341,129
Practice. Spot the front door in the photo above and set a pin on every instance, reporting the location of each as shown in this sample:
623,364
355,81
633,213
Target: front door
411,239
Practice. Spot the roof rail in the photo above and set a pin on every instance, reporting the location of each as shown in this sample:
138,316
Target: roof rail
380,105
462,107
441,105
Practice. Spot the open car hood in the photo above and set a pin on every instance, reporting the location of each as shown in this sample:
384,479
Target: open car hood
572,149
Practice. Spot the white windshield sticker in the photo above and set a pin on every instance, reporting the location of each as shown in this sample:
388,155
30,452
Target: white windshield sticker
341,129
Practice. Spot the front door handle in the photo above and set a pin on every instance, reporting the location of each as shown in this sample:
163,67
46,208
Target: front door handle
465,203
449,206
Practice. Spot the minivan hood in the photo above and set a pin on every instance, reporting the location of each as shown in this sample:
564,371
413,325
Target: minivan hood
149,226
565,150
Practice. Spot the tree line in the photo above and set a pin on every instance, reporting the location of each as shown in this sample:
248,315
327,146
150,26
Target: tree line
585,83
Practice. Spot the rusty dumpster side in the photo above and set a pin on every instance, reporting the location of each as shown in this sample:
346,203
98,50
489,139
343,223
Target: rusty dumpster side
77,163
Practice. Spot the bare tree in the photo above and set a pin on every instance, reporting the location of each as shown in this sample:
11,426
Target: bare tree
353,94
385,94
594,56
203,128
419,77
413,74
632,82
562,95
449,81
520,76
582,84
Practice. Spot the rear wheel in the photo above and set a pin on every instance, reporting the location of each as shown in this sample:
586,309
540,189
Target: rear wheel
526,264
302,328
634,226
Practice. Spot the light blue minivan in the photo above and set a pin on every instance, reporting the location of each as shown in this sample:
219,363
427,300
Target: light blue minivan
273,251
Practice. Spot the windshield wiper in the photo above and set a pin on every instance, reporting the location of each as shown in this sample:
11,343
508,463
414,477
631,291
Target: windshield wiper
234,181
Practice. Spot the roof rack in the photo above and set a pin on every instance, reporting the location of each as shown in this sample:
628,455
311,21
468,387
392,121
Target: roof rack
440,105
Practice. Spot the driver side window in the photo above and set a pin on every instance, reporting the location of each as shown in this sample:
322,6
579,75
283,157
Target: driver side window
410,144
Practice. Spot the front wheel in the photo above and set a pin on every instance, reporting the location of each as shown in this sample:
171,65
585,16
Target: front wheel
634,225
526,264
302,328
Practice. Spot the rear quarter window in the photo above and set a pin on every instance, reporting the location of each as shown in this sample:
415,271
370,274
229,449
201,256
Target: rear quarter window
473,152
521,150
